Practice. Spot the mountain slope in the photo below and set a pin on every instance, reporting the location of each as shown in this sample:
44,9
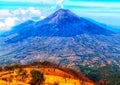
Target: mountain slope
64,38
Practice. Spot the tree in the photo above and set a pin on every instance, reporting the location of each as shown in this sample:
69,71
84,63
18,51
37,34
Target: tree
16,66
8,68
37,77
114,78
1,69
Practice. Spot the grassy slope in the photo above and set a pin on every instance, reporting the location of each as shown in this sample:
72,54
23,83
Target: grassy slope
51,75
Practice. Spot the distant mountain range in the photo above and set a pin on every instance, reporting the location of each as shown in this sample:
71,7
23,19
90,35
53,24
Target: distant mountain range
64,38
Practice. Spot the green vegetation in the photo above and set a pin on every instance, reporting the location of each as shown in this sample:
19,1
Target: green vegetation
92,73
114,79
7,68
108,75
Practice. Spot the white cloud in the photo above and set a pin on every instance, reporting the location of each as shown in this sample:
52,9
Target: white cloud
1,25
8,23
30,12
33,11
58,4
8,19
4,13
42,17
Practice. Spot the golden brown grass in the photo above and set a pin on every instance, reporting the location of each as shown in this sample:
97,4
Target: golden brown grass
52,75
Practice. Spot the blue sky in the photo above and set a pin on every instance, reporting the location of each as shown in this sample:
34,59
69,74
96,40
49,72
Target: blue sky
17,11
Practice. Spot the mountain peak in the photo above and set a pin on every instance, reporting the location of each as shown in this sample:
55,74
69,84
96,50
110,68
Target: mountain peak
62,15
62,10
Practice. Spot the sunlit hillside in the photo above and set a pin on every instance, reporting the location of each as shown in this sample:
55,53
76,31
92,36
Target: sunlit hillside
52,76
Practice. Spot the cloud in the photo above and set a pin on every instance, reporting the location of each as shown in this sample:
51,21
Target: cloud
8,23
1,25
8,19
27,14
42,17
58,4
33,12
4,13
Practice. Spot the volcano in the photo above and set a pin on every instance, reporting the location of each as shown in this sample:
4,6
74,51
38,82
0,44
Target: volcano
62,23
62,37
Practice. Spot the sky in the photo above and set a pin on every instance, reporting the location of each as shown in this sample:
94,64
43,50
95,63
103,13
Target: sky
13,12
